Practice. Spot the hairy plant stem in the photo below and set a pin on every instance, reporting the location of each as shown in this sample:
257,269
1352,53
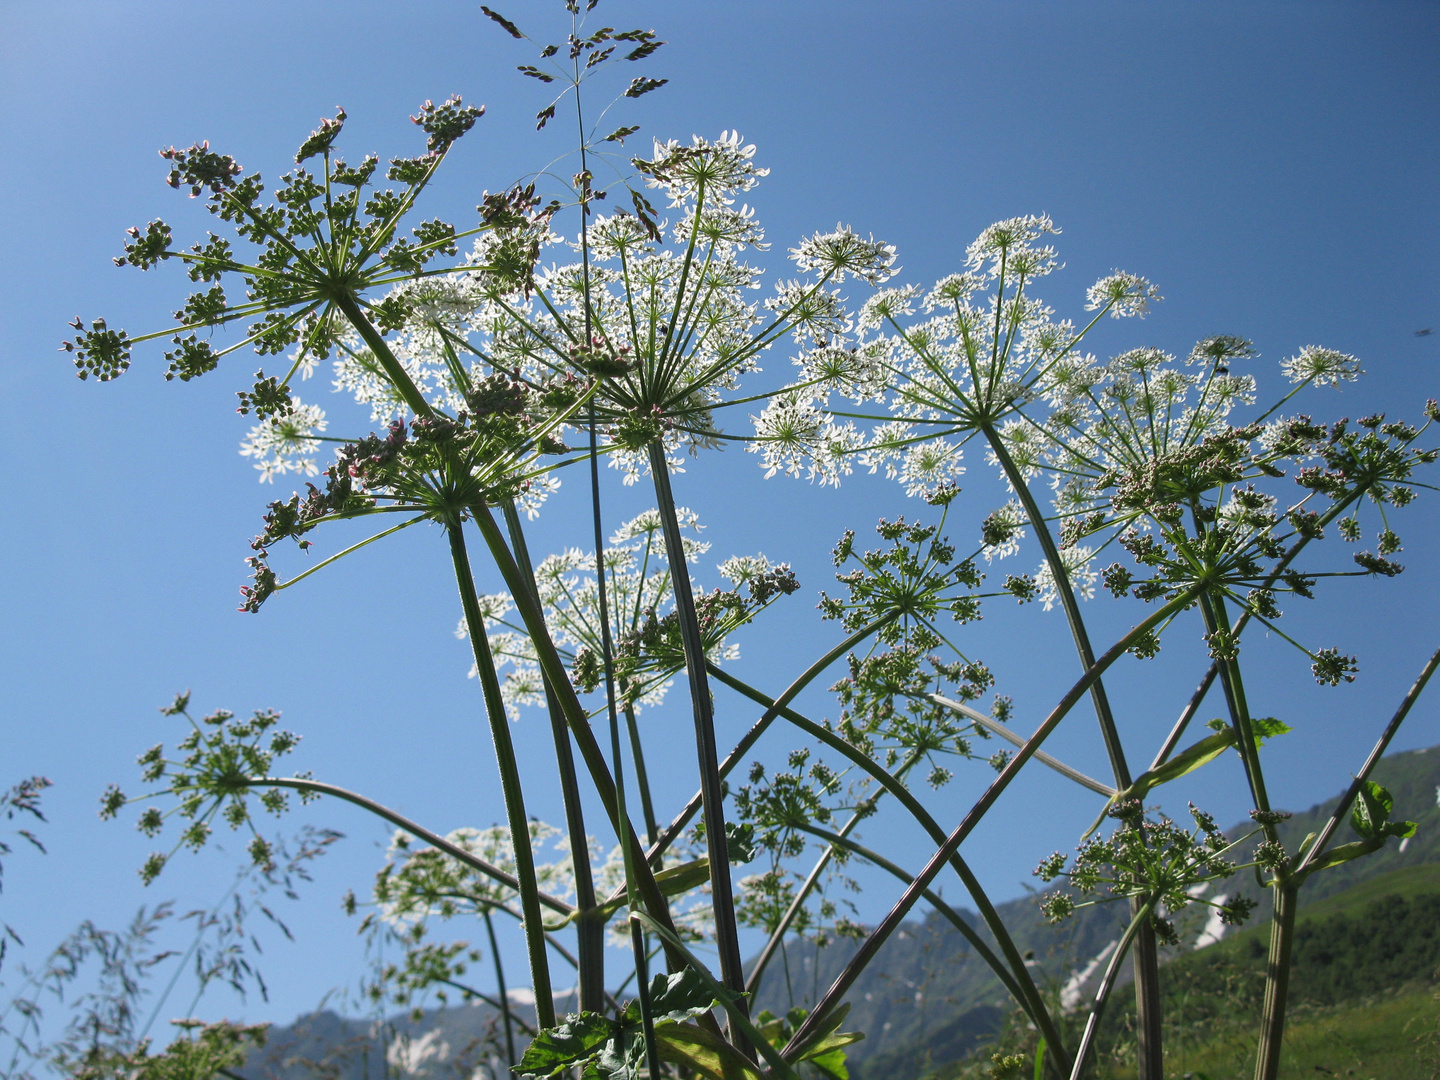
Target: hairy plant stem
712,790
459,854
1286,889
642,776
941,858
1151,1056
1028,996
589,932
1277,979
1193,705
510,785
1376,752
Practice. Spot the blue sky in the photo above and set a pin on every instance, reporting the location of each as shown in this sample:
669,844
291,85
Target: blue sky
1272,168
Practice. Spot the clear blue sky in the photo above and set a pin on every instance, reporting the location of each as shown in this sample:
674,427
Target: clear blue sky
1273,168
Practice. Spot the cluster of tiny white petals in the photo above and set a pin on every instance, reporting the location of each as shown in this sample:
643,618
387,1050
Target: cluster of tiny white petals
843,252
286,444
1124,294
738,569
1004,238
885,305
817,314
1079,568
787,432
952,291
720,169
1323,367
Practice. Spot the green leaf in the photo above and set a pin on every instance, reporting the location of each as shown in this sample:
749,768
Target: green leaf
703,1052
578,1039
1187,761
740,842
831,1063
1403,829
679,996
1372,810
1267,727
1345,852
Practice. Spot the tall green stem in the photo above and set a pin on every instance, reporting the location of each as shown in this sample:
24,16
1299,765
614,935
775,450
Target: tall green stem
589,933
1140,918
510,786
1151,1057
772,710
642,776
1277,980
712,791
553,668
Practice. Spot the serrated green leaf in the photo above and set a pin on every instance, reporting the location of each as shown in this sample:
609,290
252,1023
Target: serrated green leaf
1267,727
1402,829
679,996
1372,809
578,1039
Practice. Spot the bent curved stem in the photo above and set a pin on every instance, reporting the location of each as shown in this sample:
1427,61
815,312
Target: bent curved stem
938,861
772,710
435,840
1009,736
1029,997
777,936
935,900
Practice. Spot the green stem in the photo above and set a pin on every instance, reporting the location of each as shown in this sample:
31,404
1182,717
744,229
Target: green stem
936,901
1107,983
510,785
712,790
590,934
394,370
1277,980
642,776
772,710
504,994
1029,996
1343,807
435,840
938,861
777,936
553,668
